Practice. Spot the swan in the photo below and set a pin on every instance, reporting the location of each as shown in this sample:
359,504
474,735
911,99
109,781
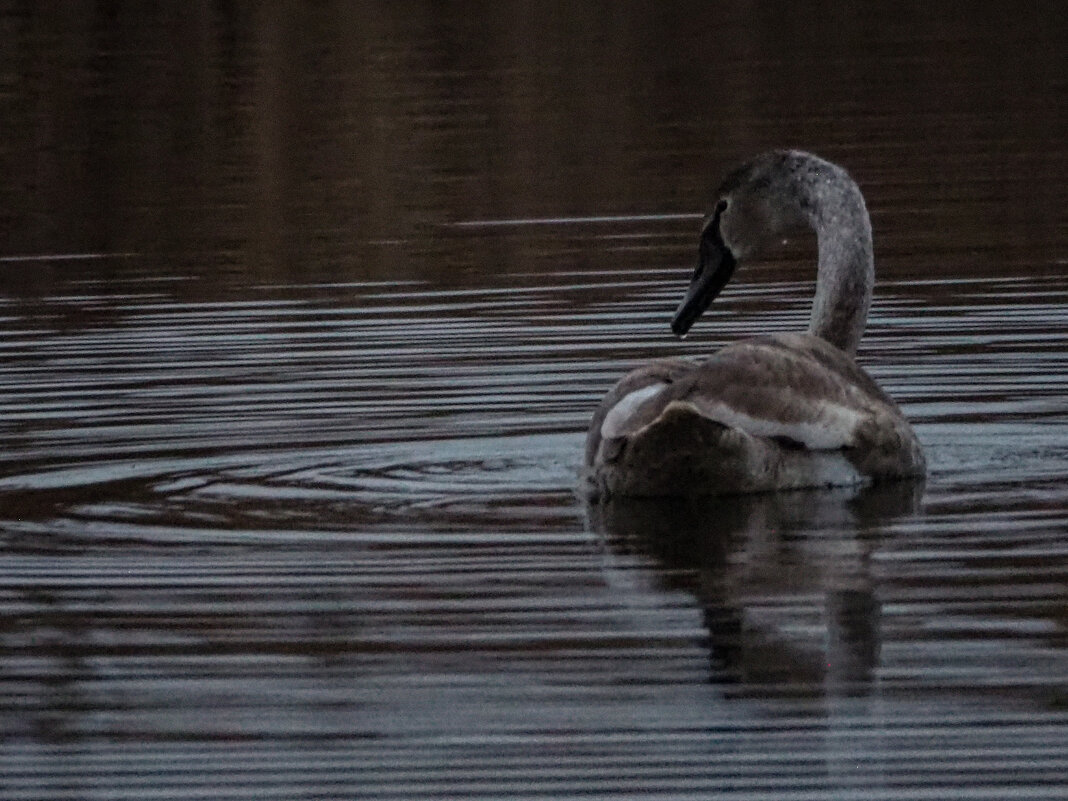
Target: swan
778,412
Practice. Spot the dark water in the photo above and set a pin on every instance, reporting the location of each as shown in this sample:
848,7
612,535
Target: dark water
303,312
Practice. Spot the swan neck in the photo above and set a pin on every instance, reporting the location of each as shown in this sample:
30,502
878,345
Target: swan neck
846,275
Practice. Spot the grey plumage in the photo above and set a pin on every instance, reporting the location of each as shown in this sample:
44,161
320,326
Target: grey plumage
778,412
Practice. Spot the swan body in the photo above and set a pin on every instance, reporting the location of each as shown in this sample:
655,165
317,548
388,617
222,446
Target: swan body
778,412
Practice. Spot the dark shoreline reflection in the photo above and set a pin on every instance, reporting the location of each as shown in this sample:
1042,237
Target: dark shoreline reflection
784,580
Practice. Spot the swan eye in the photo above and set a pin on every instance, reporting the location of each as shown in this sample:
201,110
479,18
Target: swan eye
721,206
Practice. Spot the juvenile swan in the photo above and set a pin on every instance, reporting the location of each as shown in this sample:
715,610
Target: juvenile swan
775,412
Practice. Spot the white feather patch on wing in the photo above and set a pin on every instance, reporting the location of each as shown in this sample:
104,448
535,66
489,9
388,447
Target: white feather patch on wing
833,470
832,427
615,422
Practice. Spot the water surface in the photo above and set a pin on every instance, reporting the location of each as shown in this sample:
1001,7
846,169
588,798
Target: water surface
302,318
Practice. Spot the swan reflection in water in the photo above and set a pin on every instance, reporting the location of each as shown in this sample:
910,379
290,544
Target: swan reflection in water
784,580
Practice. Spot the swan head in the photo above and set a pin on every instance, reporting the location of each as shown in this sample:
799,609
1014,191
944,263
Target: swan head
756,206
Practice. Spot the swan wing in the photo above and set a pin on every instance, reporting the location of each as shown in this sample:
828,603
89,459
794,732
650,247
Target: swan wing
795,389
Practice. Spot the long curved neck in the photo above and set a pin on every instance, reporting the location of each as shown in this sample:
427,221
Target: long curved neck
835,209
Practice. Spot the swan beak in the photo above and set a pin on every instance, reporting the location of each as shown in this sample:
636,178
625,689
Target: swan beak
714,269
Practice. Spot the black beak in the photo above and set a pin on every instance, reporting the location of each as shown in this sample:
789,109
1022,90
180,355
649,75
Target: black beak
714,269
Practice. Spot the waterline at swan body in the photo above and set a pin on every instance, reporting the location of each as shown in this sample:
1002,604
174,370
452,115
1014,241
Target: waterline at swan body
772,413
